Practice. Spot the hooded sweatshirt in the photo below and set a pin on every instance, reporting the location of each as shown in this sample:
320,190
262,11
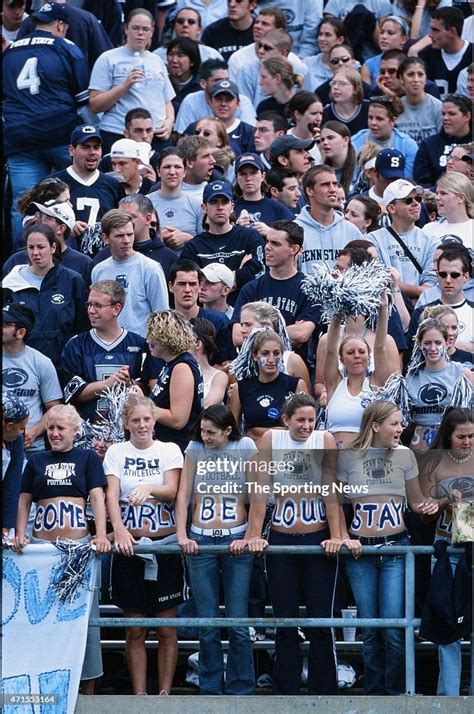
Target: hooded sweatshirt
322,244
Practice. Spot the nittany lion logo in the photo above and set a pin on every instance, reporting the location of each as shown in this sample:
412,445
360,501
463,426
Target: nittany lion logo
432,393
14,377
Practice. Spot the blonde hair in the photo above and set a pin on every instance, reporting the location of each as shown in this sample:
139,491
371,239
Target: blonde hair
281,66
368,151
376,412
67,411
458,183
437,312
137,401
170,331
353,76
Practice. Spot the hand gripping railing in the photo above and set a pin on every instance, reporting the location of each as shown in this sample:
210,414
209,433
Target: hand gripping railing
409,622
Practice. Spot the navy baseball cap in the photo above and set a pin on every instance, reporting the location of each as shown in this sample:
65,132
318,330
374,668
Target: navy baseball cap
390,163
284,143
225,86
19,315
83,133
51,11
249,159
215,189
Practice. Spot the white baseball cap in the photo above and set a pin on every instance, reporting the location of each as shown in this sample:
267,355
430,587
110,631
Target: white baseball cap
401,188
144,150
125,149
218,273
57,209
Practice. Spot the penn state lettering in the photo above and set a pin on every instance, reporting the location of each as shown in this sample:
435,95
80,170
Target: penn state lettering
224,509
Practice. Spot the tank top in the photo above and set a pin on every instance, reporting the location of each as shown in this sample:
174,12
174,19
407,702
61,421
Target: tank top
262,401
431,392
161,397
344,412
304,503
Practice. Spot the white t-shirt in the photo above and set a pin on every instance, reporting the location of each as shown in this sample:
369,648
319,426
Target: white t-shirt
441,229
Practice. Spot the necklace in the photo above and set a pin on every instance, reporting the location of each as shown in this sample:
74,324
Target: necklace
464,460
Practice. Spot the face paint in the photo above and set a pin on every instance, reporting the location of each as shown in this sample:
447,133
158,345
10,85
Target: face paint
279,362
439,351
262,361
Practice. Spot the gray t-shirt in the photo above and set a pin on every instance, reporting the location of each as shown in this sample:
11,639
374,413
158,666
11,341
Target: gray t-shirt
145,284
152,93
421,121
391,253
31,376
382,472
183,211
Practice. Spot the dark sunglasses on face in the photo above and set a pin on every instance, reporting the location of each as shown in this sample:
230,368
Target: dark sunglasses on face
444,274
338,60
409,200
263,46
182,20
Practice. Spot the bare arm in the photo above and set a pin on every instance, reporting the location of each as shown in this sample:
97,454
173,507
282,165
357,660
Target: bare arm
331,373
381,363
217,391
297,368
100,540
300,332
103,101
40,427
181,507
319,373
235,404
122,538
181,398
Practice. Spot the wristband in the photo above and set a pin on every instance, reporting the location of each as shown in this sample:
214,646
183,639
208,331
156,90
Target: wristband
395,290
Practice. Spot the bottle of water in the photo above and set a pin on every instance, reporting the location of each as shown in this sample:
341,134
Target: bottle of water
138,63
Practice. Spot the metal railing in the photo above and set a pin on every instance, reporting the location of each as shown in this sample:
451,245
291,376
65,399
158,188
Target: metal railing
408,623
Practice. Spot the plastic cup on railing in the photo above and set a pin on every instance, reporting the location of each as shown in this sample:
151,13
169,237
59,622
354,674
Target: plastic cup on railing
349,632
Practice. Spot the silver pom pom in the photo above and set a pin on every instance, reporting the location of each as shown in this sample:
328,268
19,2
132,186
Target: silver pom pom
109,424
357,291
462,393
71,572
394,390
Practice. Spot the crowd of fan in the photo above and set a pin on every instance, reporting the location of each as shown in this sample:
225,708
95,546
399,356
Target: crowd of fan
172,180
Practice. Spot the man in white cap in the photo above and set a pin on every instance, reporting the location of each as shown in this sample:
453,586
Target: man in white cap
60,217
126,158
216,283
403,245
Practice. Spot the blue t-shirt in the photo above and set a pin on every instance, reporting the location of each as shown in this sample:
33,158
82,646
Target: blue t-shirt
266,210
286,295
73,473
262,402
45,78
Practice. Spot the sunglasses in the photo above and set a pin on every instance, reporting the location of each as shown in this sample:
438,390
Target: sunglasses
444,274
465,158
183,20
339,60
409,200
265,47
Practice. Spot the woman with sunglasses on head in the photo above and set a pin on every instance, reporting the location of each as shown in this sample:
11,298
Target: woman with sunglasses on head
447,472
393,34
385,474
338,151
421,116
347,100
340,57
455,203
330,32
460,160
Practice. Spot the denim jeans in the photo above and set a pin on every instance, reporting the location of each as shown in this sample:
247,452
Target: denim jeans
26,170
378,584
204,572
312,579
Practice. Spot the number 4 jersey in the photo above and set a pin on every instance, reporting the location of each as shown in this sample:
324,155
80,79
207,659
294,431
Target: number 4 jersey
45,79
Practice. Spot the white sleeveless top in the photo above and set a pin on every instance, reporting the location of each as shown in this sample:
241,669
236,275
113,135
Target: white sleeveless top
344,412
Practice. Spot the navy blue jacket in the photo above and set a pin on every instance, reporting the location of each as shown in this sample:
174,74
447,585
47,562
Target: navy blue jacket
432,157
58,306
11,486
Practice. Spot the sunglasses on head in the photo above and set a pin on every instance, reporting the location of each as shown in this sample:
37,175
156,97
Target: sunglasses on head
409,200
444,274
338,60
